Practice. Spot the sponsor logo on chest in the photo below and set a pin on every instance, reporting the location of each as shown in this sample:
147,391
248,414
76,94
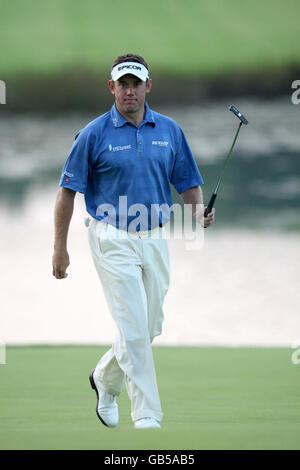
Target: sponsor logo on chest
117,148
160,143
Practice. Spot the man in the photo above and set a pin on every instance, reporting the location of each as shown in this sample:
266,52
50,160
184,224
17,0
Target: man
123,162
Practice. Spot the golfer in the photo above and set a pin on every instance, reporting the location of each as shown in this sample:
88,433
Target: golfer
124,162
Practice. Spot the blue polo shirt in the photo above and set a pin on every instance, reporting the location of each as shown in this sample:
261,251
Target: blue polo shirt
125,171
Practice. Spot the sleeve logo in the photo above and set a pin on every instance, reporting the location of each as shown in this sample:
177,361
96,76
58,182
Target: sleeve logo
67,173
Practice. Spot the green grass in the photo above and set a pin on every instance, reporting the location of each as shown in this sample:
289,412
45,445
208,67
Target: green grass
212,398
182,37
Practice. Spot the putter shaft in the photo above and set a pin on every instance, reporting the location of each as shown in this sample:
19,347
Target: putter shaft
214,194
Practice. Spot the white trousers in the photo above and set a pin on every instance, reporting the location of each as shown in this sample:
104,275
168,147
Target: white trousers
134,272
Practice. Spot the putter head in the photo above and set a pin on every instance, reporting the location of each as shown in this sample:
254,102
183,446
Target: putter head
235,111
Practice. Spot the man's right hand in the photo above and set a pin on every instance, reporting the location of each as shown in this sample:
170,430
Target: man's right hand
62,216
60,262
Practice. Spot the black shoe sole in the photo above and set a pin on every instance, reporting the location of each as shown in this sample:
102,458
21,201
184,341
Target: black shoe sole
93,385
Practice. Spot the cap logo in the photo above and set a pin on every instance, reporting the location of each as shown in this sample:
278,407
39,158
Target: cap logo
135,67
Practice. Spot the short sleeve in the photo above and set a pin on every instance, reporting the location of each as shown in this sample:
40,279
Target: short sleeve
185,173
76,169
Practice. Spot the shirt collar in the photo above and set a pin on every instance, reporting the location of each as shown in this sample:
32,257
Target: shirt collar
119,120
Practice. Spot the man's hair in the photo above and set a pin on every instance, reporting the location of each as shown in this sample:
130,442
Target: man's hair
130,58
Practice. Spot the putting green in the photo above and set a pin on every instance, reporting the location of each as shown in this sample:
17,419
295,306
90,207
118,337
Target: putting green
212,398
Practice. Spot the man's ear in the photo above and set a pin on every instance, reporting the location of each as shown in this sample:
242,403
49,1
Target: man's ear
148,85
111,86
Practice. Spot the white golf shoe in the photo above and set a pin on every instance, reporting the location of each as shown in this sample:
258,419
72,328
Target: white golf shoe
107,408
146,423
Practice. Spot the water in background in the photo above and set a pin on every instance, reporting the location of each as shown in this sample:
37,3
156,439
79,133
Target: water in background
262,183
241,288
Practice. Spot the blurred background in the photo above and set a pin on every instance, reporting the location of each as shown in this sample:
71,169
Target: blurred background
242,287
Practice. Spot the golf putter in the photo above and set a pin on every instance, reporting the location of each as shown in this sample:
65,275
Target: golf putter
243,120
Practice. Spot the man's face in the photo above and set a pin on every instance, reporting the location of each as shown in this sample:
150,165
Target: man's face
130,93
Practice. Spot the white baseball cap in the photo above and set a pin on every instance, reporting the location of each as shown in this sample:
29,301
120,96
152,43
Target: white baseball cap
132,68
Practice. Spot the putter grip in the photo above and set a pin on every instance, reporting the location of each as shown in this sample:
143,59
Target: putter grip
210,205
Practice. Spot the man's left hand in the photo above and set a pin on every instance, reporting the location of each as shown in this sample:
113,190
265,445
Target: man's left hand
205,221
210,218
